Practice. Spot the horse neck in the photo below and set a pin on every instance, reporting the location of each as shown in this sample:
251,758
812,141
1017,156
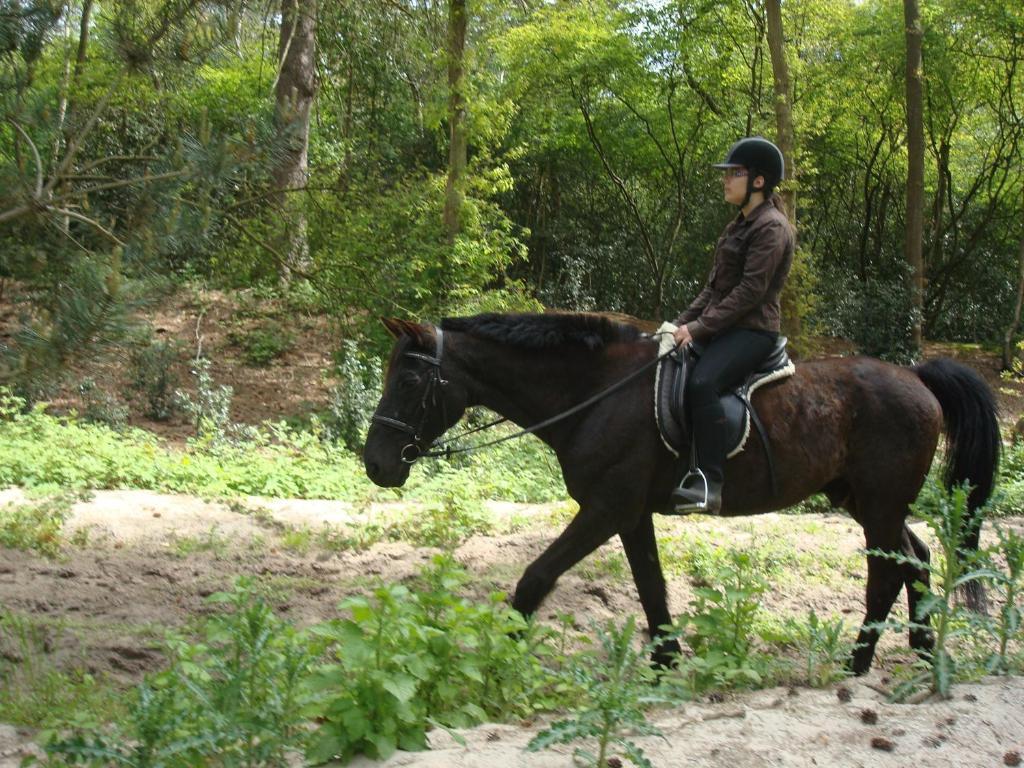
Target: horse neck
525,386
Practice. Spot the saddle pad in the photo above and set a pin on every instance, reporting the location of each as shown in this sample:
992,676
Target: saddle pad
736,404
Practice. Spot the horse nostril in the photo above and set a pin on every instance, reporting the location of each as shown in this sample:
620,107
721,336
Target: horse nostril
372,468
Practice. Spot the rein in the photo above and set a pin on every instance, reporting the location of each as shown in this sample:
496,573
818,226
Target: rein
430,395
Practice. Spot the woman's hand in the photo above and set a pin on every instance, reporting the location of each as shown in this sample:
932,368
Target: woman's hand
682,336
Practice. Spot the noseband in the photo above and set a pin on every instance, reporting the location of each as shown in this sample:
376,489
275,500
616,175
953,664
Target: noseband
431,394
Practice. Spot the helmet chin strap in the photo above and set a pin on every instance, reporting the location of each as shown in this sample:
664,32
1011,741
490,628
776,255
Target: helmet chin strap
750,188
751,176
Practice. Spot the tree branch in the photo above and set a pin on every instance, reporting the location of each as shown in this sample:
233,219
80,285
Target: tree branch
35,155
91,222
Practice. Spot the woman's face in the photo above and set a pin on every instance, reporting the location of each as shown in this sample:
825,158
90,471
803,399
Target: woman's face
734,184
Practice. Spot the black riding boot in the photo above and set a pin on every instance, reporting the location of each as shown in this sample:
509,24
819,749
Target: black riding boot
705,495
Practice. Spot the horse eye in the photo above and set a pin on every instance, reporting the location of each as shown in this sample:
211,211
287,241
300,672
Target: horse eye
408,380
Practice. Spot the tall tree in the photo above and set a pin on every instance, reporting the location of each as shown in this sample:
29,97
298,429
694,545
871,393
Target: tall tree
295,91
456,117
914,232
785,136
783,100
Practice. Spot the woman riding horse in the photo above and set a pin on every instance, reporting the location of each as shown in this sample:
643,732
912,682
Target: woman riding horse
736,316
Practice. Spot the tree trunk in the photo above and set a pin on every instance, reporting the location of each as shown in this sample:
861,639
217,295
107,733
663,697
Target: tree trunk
294,92
786,140
783,101
1008,351
915,163
456,118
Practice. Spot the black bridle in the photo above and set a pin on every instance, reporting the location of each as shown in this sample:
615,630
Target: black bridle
430,397
436,383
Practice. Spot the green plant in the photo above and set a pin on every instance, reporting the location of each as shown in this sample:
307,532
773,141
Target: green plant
719,629
824,647
40,450
210,409
615,688
36,526
952,568
264,343
231,699
408,658
355,395
101,407
152,376
212,541
34,691
1008,657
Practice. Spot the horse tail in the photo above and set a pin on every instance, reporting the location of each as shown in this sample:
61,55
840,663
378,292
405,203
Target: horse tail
973,442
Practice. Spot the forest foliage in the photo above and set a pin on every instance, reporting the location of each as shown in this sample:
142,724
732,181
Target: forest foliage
142,143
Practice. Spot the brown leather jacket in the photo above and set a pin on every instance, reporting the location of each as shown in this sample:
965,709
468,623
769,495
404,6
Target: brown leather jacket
752,260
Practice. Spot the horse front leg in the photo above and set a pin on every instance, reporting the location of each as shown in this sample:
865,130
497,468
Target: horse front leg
641,548
592,527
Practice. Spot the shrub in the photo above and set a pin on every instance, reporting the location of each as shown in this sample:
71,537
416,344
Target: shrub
264,343
875,313
230,699
355,396
615,690
409,658
100,407
152,376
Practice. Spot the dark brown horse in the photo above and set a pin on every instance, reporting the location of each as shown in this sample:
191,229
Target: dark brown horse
859,430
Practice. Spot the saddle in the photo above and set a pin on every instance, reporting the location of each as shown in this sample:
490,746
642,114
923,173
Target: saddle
670,382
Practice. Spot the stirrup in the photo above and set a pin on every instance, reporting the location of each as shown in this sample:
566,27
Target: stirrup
688,500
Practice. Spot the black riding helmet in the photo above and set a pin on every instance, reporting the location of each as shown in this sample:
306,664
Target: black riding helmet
761,158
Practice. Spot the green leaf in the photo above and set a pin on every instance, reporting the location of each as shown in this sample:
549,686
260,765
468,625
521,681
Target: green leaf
403,688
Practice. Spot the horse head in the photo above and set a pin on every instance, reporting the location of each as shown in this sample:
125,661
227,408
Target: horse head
418,404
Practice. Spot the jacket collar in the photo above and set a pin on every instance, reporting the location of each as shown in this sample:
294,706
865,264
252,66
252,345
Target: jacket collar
754,214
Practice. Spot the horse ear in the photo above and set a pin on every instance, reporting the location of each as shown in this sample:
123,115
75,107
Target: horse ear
393,325
421,334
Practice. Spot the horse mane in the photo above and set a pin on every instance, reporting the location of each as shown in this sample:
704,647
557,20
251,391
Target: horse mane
550,330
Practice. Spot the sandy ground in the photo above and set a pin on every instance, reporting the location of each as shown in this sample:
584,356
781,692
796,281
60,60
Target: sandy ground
146,561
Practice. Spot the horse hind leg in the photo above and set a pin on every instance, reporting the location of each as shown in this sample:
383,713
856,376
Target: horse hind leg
916,575
885,578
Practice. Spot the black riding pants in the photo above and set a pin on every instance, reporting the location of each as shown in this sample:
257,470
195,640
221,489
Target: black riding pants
726,361
724,364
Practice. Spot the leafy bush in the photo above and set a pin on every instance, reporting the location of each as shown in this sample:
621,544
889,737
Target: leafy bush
615,690
273,460
719,629
264,343
36,526
409,658
231,699
101,407
37,449
875,313
210,409
152,376
355,396
524,470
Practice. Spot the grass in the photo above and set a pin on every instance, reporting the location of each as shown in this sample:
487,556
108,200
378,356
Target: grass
213,542
41,450
36,525
36,691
